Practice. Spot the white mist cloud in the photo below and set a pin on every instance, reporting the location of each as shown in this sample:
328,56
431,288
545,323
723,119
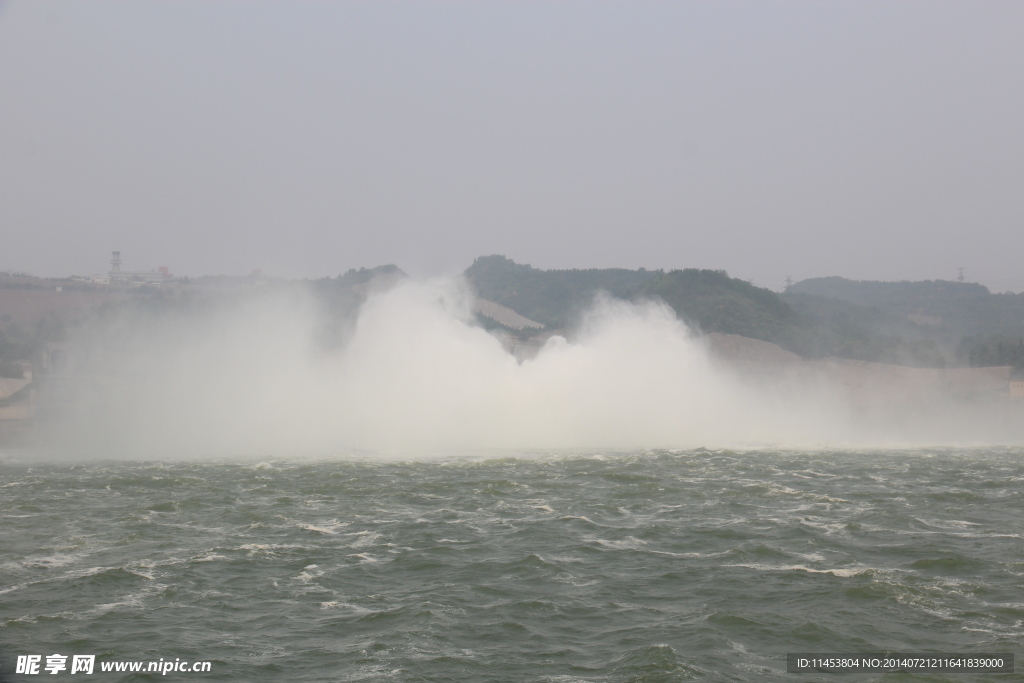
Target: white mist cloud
416,375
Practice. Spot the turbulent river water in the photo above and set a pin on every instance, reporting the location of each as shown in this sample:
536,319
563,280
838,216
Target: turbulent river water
571,567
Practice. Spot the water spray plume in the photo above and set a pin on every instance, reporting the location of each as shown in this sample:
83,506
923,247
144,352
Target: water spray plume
415,374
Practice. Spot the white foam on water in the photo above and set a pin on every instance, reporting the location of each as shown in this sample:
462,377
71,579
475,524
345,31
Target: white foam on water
844,573
364,558
308,574
208,557
330,529
347,606
628,543
364,538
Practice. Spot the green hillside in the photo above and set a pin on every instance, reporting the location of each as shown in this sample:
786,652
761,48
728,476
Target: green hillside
949,310
961,322
714,302
834,327
707,299
552,297
928,324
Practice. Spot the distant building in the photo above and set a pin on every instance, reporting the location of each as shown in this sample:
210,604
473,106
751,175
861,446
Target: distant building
17,406
1017,386
126,277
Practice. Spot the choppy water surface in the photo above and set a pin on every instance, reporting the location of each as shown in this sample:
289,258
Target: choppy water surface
614,567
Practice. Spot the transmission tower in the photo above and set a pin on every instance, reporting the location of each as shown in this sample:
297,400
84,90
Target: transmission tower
960,278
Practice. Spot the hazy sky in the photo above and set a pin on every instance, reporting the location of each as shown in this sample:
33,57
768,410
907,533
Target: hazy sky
872,140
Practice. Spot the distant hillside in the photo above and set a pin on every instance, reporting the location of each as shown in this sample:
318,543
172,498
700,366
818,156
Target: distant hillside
340,298
708,299
714,302
949,310
924,324
551,297
834,327
962,322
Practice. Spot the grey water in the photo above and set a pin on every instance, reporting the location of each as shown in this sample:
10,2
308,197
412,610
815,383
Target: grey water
569,567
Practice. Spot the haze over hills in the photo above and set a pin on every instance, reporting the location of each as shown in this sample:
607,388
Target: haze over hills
924,324
951,313
905,346
708,300
927,324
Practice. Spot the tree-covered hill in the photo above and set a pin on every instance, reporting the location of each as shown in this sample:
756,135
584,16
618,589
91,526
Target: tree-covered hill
929,324
949,310
707,299
834,327
551,297
714,302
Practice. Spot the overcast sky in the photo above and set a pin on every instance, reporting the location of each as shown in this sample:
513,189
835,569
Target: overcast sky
872,140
